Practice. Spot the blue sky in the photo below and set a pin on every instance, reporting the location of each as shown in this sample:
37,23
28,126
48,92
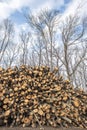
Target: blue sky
13,9
18,17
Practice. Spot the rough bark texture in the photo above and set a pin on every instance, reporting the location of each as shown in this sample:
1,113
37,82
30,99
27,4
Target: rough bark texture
32,96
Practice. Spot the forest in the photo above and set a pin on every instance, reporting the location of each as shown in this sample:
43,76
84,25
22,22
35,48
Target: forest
50,40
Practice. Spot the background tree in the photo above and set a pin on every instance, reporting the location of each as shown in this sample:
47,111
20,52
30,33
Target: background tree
6,33
74,44
44,25
24,46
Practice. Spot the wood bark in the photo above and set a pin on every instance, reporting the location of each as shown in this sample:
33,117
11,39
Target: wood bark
32,96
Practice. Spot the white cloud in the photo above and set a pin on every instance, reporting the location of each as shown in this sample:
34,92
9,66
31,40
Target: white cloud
7,7
50,4
10,6
72,8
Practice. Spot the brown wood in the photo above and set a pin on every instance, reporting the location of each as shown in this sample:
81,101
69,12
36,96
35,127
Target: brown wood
32,96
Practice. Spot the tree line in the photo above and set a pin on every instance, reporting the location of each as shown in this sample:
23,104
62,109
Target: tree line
51,40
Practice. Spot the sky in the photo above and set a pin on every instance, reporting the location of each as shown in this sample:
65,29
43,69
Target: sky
14,9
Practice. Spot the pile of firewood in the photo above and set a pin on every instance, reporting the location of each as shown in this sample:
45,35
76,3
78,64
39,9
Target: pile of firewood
32,96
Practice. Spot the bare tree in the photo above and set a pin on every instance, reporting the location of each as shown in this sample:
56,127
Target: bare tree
72,33
24,39
11,55
5,37
38,49
44,24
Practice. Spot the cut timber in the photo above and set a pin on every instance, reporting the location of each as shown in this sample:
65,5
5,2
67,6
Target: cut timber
32,96
40,112
76,103
7,113
67,119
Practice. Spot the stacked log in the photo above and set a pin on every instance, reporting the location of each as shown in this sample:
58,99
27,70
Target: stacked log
32,96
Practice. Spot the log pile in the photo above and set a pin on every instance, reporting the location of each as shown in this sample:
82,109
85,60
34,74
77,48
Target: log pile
32,96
